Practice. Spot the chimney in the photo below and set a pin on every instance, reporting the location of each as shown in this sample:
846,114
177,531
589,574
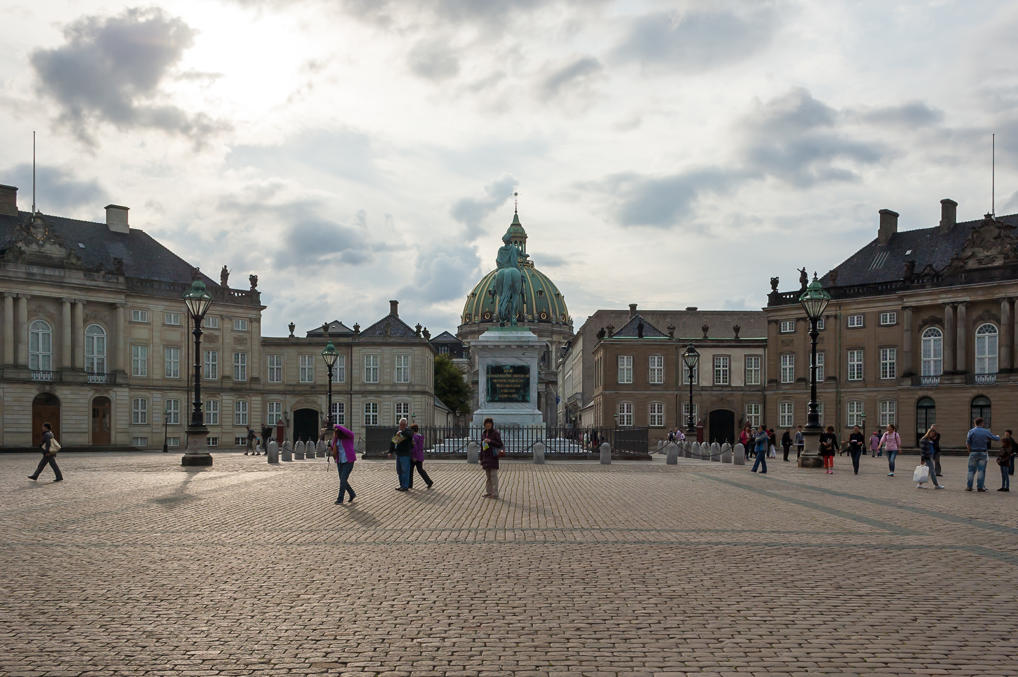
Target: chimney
632,309
888,226
8,200
394,308
116,218
948,215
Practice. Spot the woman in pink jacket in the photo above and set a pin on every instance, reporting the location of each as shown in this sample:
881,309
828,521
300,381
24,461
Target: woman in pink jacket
891,441
342,450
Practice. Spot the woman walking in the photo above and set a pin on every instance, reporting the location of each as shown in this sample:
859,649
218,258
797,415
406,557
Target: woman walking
418,457
928,452
891,441
342,450
875,443
855,447
1006,460
828,447
491,448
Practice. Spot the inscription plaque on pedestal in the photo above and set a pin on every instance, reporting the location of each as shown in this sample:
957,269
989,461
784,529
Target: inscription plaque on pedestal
508,383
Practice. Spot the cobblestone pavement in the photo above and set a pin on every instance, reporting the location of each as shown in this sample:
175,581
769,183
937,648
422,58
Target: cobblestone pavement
136,566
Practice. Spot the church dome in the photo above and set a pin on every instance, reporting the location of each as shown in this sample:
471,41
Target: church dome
542,301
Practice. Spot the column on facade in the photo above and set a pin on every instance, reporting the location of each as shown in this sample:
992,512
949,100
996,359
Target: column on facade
960,361
22,330
255,366
78,334
8,329
119,335
66,331
949,337
907,340
1006,335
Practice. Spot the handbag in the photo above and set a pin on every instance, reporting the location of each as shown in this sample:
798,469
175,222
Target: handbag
921,474
54,447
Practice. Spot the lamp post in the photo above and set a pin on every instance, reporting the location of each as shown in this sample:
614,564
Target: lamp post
197,300
814,301
691,358
329,354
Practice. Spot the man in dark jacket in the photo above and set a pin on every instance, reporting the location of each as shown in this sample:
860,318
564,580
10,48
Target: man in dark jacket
48,456
402,445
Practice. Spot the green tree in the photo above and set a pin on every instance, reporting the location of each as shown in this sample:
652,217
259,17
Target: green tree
450,385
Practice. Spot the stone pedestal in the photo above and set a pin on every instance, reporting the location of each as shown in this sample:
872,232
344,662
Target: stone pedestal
507,364
287,453
298,450
811,457
197,452
739,454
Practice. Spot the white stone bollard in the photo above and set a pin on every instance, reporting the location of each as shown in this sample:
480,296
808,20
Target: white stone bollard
671,453
740,454
323,449
287,453
539,453
715,451
726,452
272,453
660,445
298,451
473,452
606,454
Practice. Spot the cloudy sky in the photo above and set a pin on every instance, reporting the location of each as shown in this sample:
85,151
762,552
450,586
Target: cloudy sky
665,153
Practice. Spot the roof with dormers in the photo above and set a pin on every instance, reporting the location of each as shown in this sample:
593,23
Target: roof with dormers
637,327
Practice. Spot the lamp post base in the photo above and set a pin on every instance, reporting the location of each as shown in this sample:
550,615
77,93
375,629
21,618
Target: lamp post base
811,457
197,453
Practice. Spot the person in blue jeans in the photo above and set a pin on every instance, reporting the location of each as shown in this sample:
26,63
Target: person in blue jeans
927,451
760,442
402,445
978,443
342,449
1006,461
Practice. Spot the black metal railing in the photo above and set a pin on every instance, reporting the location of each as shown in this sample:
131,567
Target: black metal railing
566,442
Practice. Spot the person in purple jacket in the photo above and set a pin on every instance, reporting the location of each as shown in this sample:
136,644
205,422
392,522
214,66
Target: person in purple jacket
417,457
342,450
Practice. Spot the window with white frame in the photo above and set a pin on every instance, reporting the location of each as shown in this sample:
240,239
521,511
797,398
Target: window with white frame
213,440
888,363
171,319
656,414
722,370
171,362
753,414
855,321
273,412
339,369
306,368
888,413
820,324
240,324
402,371
338,414
787,367
786,327
401,410
240,366
275,368
625,414
888,318
211,412
139,315
139,442
240,412
932,352
753,366
986,349
685,413
139,411
95,349
211,322
371,413
40,346
855,370
685,374
371,368
855,413
172,411
139,360
211,365
172,442
656,369
820,365
785,414
625,368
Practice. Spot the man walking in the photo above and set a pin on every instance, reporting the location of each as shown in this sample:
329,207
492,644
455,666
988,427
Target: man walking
978,443
761,441
800,442
402,445
49,454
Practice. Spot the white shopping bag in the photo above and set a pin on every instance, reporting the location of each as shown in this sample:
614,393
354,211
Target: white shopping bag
773,453
921,474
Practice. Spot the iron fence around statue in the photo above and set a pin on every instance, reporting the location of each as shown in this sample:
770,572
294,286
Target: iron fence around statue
567,442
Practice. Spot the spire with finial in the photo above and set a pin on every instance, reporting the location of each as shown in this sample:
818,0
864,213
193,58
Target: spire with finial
517,235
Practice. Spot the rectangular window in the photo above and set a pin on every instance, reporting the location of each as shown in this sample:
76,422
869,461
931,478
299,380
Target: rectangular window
139,442
888,413
139,411
685,374
820,366
820,324
625,415
172,412
240,412
338,413
371,413
855,364
625,368
753,414
211,412
211,322
371,370
339,369
139,360
211,365
753,366
240,441
402,372
401,410
685,414
656,369
787,327
785,415
139,315
855,413
172,442
240,324
171,362
656,415
275,368
787,367
273,412
240,366
213,441
721,370
888,318
888,363
855,321
306,365
171,319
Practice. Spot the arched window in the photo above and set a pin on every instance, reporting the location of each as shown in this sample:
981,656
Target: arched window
925,416
986,349
40,346
95,349
932,352
980,409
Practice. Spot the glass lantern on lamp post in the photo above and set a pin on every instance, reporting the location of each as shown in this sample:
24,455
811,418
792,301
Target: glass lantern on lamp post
691,358
197,300
814,301
329,354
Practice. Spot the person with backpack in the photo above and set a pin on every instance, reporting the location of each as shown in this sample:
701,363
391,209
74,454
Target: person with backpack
891,442
417,457
342,450
927,452
761,441
855,447
50,447
1006,460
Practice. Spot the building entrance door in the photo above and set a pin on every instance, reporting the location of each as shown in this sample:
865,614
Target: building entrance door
305,425
722,426
925,416
101,420
45,409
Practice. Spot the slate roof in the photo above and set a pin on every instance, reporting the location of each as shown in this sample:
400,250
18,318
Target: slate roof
336,328
446,337
688,323
390,326
632,329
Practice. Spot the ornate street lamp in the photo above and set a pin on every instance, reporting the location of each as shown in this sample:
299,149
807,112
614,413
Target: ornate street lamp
691,358
329,354
197,300
814,301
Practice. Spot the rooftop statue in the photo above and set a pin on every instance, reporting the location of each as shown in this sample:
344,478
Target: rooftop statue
508,283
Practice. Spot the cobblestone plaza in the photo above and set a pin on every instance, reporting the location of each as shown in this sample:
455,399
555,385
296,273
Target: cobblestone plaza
136,566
